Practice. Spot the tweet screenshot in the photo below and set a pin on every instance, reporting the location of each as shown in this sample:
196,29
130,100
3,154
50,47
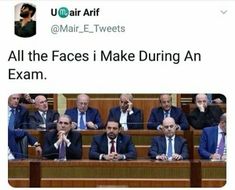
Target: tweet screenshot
117,94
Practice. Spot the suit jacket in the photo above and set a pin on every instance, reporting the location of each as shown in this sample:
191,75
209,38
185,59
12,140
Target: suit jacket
208,142
74,151
14,138
158,147
157,116
92,114
35,119
134,120
210,117
99,146
21,117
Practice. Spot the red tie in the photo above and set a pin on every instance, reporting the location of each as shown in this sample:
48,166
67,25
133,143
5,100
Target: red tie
112,149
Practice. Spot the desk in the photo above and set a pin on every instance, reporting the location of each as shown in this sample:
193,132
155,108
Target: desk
91,173
213,173
133,173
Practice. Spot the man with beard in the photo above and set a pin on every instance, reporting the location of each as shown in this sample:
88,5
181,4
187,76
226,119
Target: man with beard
112,145
26,27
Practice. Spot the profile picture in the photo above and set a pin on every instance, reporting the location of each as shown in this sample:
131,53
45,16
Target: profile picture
25,20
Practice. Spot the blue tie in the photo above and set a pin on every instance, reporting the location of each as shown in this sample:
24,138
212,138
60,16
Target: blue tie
169,153
82,125
11,124
166,113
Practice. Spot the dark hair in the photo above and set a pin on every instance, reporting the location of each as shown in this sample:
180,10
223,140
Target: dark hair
114,120
30,7
67,116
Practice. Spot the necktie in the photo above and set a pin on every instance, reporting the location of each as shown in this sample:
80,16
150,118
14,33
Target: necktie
44,117
221,144
169,153
166,113
11,124
112,149
82,125
62,151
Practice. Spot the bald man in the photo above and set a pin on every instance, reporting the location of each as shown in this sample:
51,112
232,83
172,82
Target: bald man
83,116
43,118
169,146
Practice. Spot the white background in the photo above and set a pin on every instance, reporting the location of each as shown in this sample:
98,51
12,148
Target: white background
172,26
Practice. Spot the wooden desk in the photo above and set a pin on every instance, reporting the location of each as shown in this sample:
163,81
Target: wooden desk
213,173
89,173
135,173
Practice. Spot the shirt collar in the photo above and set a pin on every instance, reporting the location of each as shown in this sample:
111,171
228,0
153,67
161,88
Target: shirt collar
109,140
173,137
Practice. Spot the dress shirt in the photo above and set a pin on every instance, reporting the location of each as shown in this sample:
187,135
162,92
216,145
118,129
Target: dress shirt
10,155
123,120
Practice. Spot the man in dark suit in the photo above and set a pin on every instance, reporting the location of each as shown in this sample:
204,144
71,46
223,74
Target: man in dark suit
204,115
167,110
169,146
129,116
44,117
14,138
83,116
63,143
209,147
17,114
112,145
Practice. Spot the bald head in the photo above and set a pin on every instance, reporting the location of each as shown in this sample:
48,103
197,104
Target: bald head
169,126
41,103
83,102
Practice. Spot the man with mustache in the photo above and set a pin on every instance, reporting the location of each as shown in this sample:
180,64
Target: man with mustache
112,145
26,27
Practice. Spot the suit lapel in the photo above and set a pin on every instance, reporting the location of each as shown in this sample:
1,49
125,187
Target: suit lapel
88,115
38,115
163,139
119,144
177,145
104,144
